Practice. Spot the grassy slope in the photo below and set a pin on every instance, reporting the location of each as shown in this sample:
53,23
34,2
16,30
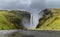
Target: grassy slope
49,24
4,23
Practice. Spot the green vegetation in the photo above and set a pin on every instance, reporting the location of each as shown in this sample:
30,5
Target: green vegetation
50,20
8,20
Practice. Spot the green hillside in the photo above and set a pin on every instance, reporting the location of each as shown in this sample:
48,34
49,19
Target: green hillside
50,20
7,20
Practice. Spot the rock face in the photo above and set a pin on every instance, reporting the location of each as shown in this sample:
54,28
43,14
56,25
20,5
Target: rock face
12,19
50,20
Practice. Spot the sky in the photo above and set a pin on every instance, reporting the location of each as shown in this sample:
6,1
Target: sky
33,6
52,3
29,5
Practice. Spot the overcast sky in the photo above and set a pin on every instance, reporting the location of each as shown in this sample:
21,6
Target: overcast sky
31,5
52,3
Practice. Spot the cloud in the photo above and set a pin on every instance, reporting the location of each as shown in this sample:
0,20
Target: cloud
38,4
29,5
52,3
14,4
